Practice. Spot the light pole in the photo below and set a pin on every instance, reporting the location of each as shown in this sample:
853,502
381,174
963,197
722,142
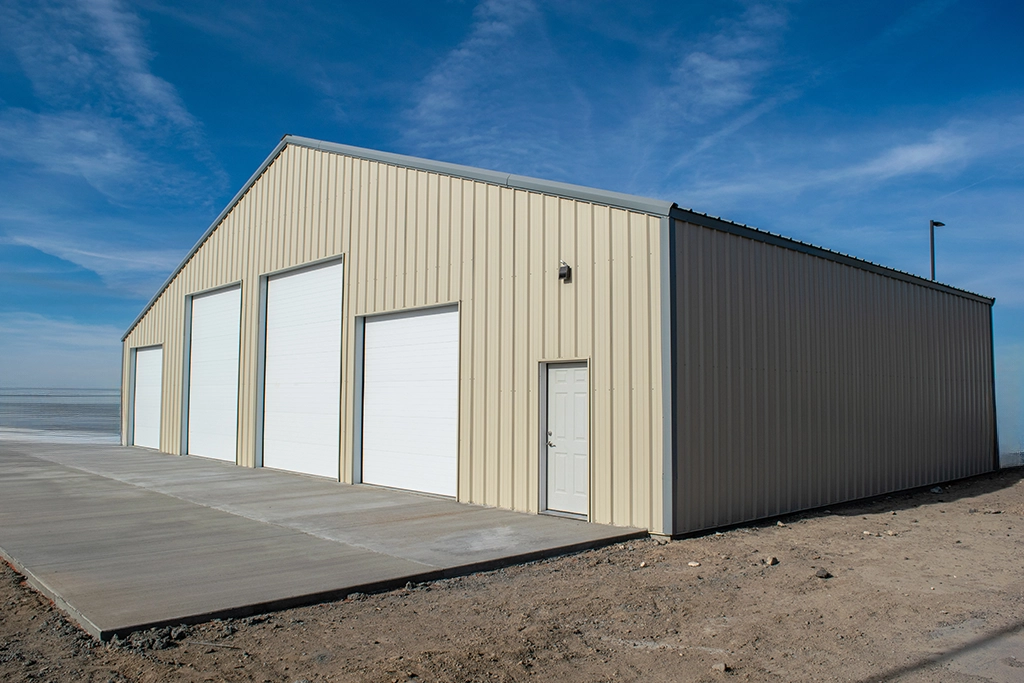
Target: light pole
931,236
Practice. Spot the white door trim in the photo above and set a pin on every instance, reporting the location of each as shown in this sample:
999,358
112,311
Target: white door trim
261,342
186,375
202,435
434,448
359,330
308,464
542,440
133,430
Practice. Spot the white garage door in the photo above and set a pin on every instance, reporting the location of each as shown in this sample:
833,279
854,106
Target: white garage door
213,375
302,381
411,401
149,370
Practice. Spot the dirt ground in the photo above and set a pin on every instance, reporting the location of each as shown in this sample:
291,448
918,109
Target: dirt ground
924,586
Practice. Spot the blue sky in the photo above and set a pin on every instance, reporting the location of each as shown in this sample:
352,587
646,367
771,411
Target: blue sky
126,128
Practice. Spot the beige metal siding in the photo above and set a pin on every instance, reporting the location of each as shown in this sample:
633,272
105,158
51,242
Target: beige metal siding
412,238
802,382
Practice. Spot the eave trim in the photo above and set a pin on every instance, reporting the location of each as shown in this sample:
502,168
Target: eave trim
619,200
209,231
715,223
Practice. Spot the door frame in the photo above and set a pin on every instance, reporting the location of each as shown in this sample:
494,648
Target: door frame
186,364
542,441
132,361
261,349
359,383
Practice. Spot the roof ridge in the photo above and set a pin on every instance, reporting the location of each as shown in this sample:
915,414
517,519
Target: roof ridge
658,207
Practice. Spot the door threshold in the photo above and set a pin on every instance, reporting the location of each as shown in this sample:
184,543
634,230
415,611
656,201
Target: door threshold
567,515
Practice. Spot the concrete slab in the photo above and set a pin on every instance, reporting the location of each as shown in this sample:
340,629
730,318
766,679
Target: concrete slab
116,535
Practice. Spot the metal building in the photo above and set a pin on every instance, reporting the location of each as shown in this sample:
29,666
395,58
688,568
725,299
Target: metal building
507,341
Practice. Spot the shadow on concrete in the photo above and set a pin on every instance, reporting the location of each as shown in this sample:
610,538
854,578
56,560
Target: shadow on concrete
933,660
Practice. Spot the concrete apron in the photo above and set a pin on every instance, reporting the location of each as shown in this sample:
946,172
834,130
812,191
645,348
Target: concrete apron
124,539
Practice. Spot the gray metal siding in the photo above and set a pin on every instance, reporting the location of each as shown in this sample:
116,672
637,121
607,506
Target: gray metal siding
802,382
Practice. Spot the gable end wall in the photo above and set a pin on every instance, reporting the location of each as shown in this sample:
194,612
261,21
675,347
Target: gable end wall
412,238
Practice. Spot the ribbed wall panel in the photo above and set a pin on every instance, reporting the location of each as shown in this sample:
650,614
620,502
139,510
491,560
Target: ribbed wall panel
803,382
412,238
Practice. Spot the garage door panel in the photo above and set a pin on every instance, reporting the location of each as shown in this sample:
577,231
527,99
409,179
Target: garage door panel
412,477
417,368
296,409
409,438
437,409
302,375
411,400
213,375
292,368
300,427
303,348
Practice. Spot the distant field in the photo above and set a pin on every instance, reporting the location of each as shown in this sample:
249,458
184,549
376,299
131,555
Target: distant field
87,415
1011,459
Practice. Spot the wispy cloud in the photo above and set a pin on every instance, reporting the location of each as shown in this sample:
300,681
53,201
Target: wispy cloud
502,98
104,137
942,148
102,151
719,84
102,113
131,269
784,89
451,86
511,95
37,350
723,69
977,270
336,51
90,56
860,160
28,330
132,272
153,100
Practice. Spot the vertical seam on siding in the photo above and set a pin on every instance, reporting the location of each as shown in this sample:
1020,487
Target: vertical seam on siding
992,365
669,336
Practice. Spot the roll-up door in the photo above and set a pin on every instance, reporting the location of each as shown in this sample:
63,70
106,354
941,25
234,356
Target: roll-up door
149,370
411,401
213,375
302,380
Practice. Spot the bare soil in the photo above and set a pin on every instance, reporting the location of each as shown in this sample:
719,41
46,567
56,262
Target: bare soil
921,586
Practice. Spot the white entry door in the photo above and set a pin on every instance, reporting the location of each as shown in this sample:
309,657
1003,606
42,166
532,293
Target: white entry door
302,375
411,401
213,375
568,447
149,372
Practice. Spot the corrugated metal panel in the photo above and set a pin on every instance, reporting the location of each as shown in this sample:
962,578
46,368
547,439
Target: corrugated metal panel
413,238
802,381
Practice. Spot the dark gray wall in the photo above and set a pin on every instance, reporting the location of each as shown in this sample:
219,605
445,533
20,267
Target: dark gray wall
801,381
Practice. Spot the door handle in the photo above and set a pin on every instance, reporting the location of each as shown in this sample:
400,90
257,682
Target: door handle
550,445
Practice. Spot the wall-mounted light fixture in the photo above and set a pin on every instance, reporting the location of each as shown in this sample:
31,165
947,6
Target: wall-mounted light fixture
564,271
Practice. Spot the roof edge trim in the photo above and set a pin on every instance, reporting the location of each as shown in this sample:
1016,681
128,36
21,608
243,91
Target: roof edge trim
706,221
619,200
206,235
588,194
